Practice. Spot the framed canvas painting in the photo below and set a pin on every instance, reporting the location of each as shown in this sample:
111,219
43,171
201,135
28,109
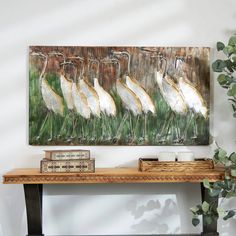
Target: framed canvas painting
118,95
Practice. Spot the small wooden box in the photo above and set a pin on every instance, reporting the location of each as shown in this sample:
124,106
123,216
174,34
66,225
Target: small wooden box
153,164
67,166
67,154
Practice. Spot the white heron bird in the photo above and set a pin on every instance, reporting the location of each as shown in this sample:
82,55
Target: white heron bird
65,83
173,97
130,102
107,104
66,88
192,97
91,95
146,101
52,100
129,98
147,104
79,100
134,86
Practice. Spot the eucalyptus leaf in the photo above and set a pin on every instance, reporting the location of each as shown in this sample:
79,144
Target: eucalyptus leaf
207,220
219,184
218,65
206,183
205,206
220,46
222,156
222,153
215,192
220,211
233,58
228,50
232,157
232,90
195,221
229,64
222,79
232,41
194,210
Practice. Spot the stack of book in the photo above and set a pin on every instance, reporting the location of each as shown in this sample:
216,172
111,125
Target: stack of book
67,161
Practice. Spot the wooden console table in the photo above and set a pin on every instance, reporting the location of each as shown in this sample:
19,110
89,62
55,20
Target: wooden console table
33,182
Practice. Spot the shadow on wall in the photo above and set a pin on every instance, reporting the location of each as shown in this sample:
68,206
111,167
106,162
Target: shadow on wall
139,208
227,227
156,223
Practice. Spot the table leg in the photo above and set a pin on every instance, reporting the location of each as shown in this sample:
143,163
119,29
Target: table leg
209,230
33,202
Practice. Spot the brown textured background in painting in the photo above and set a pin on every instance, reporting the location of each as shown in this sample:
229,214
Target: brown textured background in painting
143,63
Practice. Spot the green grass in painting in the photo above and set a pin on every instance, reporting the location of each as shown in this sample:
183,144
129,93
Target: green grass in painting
46,128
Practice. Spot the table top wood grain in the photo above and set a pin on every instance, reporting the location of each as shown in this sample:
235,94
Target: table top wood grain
110,175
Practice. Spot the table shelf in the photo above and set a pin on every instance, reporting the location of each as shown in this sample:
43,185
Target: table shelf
110,175
33,182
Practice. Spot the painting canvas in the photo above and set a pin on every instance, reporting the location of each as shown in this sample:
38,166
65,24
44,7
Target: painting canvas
118,95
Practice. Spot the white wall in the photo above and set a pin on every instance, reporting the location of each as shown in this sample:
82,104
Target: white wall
104,209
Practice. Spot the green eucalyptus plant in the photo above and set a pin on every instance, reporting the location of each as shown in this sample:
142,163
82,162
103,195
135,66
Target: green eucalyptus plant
227,69
226,188
223,189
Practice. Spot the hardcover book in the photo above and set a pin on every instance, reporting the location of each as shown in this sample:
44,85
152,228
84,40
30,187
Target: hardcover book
67,154
67,166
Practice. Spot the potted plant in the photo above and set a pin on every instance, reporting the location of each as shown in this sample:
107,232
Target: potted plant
226,188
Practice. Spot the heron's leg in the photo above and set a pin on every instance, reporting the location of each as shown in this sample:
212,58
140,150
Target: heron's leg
107,120
145,126
184,136
169,122
43,125
177,129
110,126
104,126
94,128
125,117
195,134
131,125
165,122
82,127
63,125
51,131
74,123
136,126
69,117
